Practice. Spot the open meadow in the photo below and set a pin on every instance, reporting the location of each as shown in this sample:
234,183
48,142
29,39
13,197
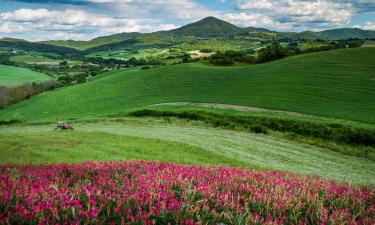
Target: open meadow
13,76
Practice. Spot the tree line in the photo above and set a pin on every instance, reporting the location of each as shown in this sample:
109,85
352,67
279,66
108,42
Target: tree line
276,51
10,95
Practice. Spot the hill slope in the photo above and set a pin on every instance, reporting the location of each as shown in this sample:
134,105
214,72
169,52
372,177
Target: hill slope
338,83
13,76
347,33
99,41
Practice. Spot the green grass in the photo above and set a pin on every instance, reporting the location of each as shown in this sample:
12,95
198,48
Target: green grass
337,84
75,147
151,140
126,54
307,45
13,76
30,59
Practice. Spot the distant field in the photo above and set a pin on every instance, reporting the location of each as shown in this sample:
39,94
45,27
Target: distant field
307,45
369,43
13,76
126,54
180,144
31,59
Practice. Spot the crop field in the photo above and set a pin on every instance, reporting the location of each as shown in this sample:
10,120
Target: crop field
307,45
31,59
135,140
369,43
126,54
336,84
13,76
163,193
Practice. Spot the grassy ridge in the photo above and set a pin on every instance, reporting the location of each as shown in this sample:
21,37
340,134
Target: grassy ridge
13,76
338,84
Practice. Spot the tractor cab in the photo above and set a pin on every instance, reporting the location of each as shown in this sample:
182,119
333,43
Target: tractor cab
63,126
60,124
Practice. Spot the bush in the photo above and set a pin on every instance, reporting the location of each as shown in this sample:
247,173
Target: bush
206,50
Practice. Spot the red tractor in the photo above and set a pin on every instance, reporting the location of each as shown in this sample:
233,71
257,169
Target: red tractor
63,126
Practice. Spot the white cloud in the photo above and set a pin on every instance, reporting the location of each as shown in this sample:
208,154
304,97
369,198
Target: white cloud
255,20
255,4
301,14
75,24
366,26
168,9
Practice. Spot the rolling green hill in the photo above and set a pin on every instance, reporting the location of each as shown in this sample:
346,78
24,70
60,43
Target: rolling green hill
337,83
83,45
37,47
347,33
13,76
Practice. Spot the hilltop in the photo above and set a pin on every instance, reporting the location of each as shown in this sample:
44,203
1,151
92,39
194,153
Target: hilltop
208,27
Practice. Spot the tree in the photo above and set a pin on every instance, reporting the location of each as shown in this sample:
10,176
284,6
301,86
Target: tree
272,52
63,63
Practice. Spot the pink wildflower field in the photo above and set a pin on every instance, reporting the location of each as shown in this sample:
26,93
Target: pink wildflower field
141,192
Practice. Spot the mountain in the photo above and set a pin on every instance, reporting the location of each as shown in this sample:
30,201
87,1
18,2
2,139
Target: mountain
347,33
209,27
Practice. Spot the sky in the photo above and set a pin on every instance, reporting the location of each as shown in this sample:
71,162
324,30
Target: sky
37,20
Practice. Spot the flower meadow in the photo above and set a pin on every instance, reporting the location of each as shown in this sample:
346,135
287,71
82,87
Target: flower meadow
139,192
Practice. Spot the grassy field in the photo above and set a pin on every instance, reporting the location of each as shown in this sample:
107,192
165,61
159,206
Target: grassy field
124,54
369,44
75,147
337,84
151,140
31,59
13,76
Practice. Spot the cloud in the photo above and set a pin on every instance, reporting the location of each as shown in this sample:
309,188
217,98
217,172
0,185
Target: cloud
301,14
255,4
255,20
74,23
172,9
366,26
